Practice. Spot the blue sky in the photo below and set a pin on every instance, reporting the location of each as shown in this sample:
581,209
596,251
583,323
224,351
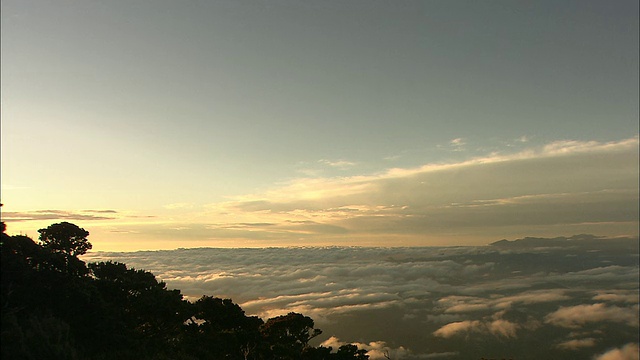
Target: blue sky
137,118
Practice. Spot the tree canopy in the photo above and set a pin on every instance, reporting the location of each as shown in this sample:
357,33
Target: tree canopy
54,306
67,238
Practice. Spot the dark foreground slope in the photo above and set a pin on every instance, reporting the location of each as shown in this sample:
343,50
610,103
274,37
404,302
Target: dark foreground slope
54,306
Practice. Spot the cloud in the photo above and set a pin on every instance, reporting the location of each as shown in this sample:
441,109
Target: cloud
577,344
101,211
576,316
464,304
38,215
627,352
377,350
503,328
457,144
533,297
343,164
462,308
599,274
242,226
536,188
458,327
618,296
425,300
564,186
499,328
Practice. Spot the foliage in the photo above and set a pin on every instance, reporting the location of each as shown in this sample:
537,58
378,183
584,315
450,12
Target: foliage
289,335
66,238
54,306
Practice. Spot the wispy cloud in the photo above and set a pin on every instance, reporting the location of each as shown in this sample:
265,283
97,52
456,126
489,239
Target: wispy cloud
455,328
577,344
11,216
497,327
457,144
535,187
342,164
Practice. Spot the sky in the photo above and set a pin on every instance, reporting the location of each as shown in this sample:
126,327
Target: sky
164,124
572,298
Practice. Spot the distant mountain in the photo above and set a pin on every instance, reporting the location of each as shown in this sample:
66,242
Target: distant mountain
583,241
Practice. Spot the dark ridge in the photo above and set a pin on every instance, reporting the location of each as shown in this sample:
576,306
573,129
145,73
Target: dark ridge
583,241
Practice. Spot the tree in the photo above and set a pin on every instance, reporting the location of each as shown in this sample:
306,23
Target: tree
140,311
350,351
219,329
289,334
66,238
47,294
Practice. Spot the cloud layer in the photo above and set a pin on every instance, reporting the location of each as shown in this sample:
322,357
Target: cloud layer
426,302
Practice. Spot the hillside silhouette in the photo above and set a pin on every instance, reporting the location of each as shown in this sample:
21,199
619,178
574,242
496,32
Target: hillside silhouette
55,306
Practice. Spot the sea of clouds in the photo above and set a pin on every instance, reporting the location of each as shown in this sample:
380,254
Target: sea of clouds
570,299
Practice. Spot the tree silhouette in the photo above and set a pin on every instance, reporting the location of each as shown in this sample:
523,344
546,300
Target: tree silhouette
350,351
55,307
289,334
219,329
40,300
67,238
139,308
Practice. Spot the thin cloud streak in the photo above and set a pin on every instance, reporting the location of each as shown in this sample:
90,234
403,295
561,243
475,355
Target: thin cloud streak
39,215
